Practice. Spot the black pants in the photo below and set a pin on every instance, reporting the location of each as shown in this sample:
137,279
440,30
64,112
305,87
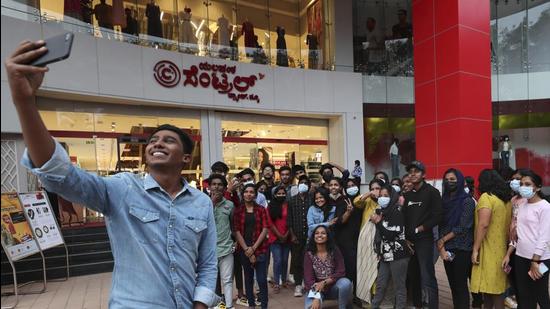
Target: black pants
238,271
424,250
414,288
350,262
457,273
297,262
529,292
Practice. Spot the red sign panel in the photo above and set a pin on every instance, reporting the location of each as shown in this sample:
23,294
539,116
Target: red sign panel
221,77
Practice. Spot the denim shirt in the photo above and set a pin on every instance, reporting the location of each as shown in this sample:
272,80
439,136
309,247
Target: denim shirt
316,216
164,249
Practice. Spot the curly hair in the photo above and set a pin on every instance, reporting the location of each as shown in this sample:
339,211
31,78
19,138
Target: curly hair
491,182
312,245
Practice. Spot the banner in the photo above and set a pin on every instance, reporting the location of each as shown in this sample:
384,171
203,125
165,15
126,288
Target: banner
41,219
17,238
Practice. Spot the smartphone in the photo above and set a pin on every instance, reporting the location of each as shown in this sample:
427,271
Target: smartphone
59,48
543,268
507,269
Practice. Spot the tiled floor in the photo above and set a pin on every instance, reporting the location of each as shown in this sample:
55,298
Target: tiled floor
92,292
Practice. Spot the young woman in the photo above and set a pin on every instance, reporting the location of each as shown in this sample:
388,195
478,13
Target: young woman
509,260
383,176
367,260
347,224
324,271
456,236
391,247
278,240
532,250
492,222
251,228
321,213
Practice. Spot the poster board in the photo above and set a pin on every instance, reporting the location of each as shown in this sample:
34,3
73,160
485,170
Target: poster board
17,238
41,219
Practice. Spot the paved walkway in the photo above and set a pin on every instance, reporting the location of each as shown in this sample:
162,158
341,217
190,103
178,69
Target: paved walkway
92,292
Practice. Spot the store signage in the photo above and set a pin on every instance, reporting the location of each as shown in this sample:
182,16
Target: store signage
17,239
221,77
41,219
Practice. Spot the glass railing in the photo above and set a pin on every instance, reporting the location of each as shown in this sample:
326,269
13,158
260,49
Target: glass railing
217,29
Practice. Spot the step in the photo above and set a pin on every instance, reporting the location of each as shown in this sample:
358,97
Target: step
35,262
91,237
83,230
60,272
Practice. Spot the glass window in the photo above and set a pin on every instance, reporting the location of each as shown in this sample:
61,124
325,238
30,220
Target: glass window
313,33
223,19
284,34
254,41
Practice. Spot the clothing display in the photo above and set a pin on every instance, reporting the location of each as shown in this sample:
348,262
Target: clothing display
248,32
104,15
119,19
223,31
313,54
154,25
72,9
186,33
282,56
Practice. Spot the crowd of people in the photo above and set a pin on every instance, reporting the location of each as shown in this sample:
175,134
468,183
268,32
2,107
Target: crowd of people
350,246
171,243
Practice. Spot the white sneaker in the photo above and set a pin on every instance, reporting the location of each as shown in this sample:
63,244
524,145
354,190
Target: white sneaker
298,291
290,279
509,302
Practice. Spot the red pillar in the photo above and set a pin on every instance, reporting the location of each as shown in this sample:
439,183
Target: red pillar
452,85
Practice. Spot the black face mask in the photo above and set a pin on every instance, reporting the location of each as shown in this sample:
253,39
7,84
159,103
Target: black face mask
279,198
451,185
327,177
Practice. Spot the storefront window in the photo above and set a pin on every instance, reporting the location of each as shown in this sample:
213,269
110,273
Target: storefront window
382,37
251,144
107,143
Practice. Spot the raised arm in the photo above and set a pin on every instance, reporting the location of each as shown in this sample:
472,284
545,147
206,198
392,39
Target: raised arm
24,81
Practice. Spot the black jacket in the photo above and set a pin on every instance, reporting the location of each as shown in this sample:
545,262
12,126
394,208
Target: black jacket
422,207
390,241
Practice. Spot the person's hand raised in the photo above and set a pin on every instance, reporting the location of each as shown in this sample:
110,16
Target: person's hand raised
24,79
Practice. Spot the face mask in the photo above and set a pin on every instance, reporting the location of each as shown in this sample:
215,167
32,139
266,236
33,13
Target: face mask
279,198
327,177
250,182
352,191
302,188
451,185
526,192
383,201
514,184
396,188
467,190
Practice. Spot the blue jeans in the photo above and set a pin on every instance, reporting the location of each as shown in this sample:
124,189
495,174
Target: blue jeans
260,268
280,261
341,291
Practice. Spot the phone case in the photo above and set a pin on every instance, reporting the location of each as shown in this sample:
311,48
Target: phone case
59,48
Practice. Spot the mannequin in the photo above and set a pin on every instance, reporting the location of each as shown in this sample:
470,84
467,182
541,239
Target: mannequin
249,40
154,24
313,55
72,9
394,158
282,56
505,151
186,34
223,32
119,18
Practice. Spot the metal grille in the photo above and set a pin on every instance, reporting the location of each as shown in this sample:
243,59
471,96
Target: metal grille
10,171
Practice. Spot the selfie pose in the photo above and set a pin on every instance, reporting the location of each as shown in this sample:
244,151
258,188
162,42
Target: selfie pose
162,231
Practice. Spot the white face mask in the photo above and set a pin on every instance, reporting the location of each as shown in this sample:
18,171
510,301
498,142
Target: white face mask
467,190
526,192
383,201
303,188
514,184
396,188
250,182
352,191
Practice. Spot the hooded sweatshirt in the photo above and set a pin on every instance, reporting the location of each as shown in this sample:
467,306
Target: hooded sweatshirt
422,207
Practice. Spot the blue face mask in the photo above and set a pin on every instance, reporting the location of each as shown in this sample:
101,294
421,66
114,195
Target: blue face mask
396,188
383,201
467,190
514,185
526,192
302,188
352,191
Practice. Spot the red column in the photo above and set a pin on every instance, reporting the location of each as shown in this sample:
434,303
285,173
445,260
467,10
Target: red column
452,85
